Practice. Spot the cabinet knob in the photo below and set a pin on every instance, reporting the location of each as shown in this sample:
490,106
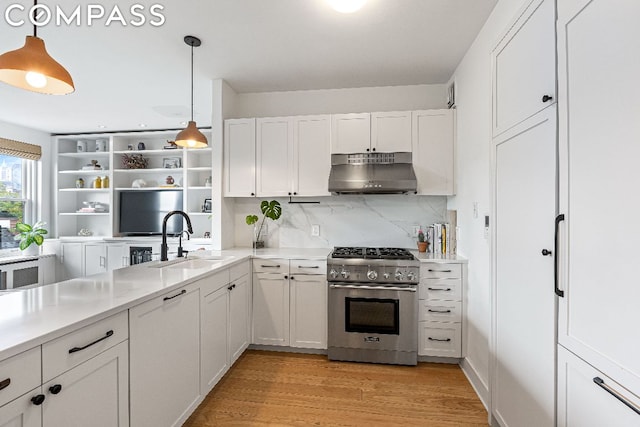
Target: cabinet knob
55,389
373,149
253,194
546,98
367,150
546,252
229,288
292,277
289,193
38,400
295,193
286,277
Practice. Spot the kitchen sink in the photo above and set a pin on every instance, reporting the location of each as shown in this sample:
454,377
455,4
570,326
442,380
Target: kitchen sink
195,262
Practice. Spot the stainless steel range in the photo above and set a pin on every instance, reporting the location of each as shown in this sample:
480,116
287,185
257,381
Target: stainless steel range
373,305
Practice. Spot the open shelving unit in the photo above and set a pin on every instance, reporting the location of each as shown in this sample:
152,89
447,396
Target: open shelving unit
189,168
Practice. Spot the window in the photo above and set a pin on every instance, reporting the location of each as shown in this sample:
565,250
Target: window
14,188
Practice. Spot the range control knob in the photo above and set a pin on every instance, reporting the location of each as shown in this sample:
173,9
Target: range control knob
344,274
372,275
399,275
411,276
386,276
333,273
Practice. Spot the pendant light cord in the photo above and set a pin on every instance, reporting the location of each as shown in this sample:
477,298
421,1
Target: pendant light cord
191,81
35,18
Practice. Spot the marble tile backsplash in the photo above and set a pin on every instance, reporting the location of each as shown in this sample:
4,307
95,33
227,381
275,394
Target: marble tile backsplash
364,220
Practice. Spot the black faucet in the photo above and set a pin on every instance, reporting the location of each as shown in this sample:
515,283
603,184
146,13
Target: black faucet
181,252
164,248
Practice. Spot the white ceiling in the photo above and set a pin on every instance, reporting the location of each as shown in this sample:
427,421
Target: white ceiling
125,76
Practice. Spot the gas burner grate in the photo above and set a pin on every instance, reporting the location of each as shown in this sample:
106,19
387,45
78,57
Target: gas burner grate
372,253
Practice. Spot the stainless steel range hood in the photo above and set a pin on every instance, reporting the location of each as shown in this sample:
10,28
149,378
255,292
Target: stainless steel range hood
372,173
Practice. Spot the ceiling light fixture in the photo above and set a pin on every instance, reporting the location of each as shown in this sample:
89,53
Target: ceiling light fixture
191,137
32,68
346,6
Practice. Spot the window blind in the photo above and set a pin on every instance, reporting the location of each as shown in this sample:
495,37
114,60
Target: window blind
23,150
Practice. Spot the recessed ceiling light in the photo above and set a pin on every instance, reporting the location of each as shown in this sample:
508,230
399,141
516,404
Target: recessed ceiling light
346,6
102,126
183,123
142,125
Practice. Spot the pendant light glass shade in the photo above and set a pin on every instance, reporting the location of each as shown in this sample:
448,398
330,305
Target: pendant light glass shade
32,68
191,137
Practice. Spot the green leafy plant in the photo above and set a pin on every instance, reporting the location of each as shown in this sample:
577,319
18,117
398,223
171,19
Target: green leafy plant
271,210
28,234
420,236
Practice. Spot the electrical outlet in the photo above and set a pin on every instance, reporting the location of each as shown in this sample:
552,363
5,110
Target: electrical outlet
416,230
315,230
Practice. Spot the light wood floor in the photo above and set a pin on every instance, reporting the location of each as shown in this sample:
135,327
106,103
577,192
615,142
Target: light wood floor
283,389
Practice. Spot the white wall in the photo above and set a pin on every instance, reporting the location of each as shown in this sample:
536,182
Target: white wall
473,101
44,209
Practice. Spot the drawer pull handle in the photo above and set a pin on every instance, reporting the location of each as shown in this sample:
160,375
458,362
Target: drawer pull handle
182,292
438,339
439,271
38,399
440,289
308,266
231,287
439,311
55,389
600,382
77,349
270,266
5,383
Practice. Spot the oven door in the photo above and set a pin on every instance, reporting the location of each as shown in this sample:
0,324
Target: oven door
373,317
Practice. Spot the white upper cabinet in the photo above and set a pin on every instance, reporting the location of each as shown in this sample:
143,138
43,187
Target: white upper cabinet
524,67
240,157
434,151
312,155
351,133
598,99
274,156
391,132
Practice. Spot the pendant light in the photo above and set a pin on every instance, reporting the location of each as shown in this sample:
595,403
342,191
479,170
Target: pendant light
31,67
191,137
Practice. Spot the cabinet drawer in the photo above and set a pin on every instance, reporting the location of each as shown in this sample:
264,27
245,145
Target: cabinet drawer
440,271
440,311
274,265
214,282
19,374
303,266
70,350
440,339
239,270
441,289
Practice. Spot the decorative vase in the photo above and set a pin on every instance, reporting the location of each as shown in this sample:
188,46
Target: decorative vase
32,250
258,236
422,246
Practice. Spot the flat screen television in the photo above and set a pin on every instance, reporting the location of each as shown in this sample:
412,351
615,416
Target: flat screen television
142,212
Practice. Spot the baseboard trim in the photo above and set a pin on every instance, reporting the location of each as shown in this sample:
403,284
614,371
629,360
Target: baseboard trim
287,349
481,389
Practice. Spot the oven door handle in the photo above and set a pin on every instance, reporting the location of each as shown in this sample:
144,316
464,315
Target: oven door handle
374,288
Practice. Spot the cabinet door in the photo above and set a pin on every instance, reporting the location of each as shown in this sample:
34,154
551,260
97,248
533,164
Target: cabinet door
117,256
391,132
71,260
433,151
350,133
599,152
582,402
524,304
95,258
95,393
240,158
46,270
308,311
214,337
165,358
274,157
270,309
524,67
239,317
22,412
312,154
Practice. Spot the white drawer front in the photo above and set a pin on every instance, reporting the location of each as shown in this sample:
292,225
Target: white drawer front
214,282
440,339
70,350
440,271
239,270
440,311
303,266
274,265
441,289
19,374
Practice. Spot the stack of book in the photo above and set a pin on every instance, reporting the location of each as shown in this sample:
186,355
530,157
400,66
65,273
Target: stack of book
442,237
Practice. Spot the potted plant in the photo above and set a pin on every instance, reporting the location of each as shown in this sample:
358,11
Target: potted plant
271,210
422,244
31,237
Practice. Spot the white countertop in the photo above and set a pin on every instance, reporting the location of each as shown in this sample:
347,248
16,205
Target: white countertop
31,317
429,257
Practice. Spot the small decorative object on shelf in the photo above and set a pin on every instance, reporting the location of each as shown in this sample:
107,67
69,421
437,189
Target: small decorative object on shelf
94,166
422,244
206,206
139,183
105,182
172,162
207,182
171,145
101,145
134,161
141,146
97,183
85,232
207,235
81,146
31,237
170,180
130,147
271,210
79,183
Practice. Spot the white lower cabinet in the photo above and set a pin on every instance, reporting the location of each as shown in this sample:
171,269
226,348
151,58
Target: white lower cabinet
71,261
239,314
95,258
271,309
22,412
588,398
165,358
308,311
